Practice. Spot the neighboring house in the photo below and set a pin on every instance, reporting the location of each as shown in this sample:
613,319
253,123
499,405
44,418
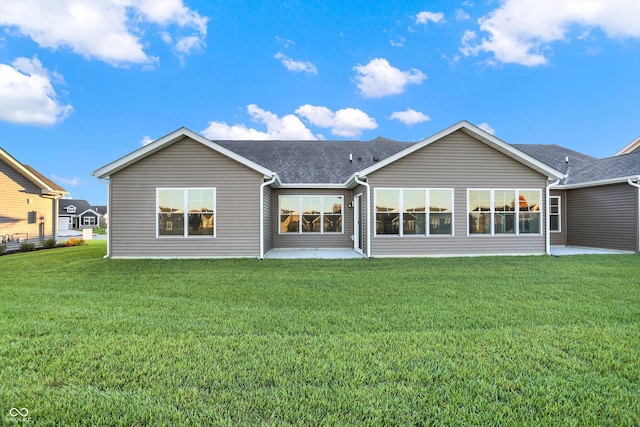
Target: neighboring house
79,214
461,191
28,203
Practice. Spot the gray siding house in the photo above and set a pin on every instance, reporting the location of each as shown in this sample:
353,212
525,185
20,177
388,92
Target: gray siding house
28,204
459,192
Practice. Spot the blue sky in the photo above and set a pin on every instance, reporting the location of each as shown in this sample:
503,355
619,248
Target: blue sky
83,83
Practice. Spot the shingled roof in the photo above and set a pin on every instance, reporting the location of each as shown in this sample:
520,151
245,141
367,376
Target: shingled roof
581,168
315,162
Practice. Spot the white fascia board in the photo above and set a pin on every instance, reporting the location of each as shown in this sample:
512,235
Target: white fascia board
629,148
90,210
478,134
106,171
609,181
313,185
44,187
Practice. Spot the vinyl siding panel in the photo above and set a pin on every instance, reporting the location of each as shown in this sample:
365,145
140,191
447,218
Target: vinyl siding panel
603,217
313,240
460,162
15,191
186,163
560,238
268,219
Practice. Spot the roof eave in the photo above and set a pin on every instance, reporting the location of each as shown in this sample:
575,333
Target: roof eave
618,180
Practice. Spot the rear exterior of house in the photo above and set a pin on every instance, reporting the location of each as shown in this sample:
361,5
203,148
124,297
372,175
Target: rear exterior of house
472,189
192,177
460,192
28,204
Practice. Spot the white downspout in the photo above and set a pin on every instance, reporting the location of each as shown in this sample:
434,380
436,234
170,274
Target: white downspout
108,219
548,216
357,179
262,186
637,185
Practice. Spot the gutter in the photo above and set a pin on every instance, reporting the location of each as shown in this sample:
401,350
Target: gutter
262,186
548,215
108,183
637,185
356,178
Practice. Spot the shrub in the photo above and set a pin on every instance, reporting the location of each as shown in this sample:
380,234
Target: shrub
75,242
26,247
2,249
49,243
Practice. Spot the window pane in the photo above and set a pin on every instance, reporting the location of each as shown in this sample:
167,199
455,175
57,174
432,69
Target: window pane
554,223
332,205
414,223
387,211
333,223
504,200
171,224
479,223
387,201
529,200
311,214
171,200
200,200
200,224
289,214
529,222
504,223
440,201
440,223
479,200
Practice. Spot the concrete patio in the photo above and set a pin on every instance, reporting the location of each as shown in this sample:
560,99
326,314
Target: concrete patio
336,253
579,250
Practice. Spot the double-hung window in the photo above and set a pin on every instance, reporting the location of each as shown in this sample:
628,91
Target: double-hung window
555,214
311,214
414,211
186,212
502,212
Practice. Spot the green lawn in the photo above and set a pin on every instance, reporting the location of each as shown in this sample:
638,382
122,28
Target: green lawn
467,341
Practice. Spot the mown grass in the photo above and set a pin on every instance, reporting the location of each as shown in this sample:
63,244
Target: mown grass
473,341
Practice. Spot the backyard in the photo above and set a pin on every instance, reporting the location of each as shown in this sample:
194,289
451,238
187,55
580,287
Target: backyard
454,341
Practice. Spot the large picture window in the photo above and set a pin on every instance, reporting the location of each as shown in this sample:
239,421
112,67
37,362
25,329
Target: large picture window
186,212
311,214
413,211
495,212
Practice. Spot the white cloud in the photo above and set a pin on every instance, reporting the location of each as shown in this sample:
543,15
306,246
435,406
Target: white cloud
398,42
296,66
68,182
107,30
27,95
347,122
288,127
521,31
146,140
410,117
426,17
485,127
378,78
462,15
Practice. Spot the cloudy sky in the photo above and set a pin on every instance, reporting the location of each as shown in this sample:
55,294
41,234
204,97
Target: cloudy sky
85,82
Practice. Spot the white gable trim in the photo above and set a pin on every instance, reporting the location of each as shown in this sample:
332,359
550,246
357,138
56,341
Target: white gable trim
478,134
44,187
106,171
629,148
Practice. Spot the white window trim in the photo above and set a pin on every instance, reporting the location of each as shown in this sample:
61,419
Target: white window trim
559,214
92,220
401,212
300,196
186,212
517,212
